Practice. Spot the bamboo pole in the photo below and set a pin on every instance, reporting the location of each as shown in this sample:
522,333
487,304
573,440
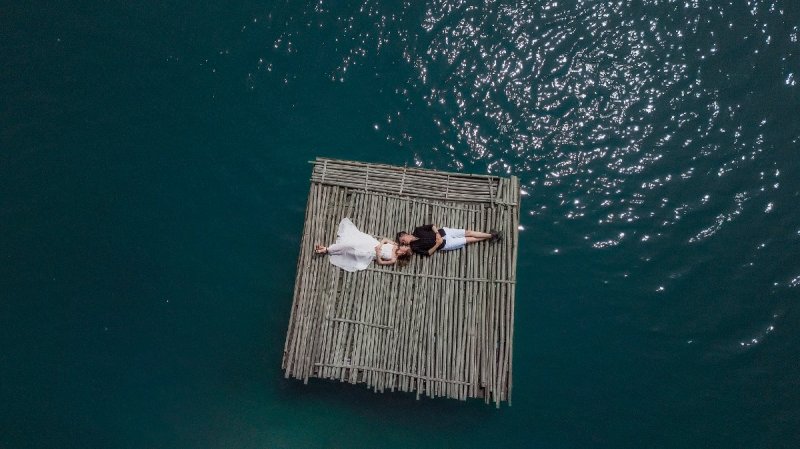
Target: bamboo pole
300,330
401,373
308,310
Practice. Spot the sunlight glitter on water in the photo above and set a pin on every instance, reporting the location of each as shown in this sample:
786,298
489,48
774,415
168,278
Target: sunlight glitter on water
618,118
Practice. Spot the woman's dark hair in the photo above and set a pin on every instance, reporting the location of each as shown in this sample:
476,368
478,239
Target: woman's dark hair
399,234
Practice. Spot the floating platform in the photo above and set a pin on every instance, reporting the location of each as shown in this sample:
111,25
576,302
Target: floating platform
441,325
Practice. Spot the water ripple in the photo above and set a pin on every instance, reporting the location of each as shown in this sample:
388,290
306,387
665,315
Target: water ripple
635,127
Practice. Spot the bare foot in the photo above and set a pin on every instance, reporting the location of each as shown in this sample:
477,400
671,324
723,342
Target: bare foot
319,249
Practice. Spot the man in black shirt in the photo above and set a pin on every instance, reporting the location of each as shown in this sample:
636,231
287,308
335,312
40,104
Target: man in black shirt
427,239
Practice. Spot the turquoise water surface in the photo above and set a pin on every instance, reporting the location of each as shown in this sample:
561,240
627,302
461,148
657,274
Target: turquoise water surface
153,179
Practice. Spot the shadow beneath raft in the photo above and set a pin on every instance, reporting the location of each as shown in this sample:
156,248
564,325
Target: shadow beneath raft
397,405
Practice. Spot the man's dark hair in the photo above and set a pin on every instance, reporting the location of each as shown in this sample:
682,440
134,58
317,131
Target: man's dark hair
399,234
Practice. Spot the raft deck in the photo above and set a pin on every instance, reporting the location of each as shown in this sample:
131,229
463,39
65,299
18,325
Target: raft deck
440,326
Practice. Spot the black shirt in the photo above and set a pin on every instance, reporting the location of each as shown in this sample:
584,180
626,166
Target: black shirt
427,239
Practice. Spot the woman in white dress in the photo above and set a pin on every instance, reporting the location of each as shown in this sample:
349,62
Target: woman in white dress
355,250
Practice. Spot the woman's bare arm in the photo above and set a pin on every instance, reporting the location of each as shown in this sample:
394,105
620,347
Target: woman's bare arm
386,262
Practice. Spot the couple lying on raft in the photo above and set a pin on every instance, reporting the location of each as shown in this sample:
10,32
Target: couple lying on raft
355,250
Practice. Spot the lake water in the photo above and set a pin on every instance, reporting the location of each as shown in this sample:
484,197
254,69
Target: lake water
153,179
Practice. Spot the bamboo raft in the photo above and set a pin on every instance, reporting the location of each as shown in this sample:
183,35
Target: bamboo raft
440,326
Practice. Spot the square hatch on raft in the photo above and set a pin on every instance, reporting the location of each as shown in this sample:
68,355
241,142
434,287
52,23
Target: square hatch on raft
441,325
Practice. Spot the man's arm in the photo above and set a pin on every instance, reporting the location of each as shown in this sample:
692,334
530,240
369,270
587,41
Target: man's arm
439,241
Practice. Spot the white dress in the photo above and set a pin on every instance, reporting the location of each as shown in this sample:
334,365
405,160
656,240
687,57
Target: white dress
355,250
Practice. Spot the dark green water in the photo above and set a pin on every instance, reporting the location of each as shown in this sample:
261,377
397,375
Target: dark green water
153,180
